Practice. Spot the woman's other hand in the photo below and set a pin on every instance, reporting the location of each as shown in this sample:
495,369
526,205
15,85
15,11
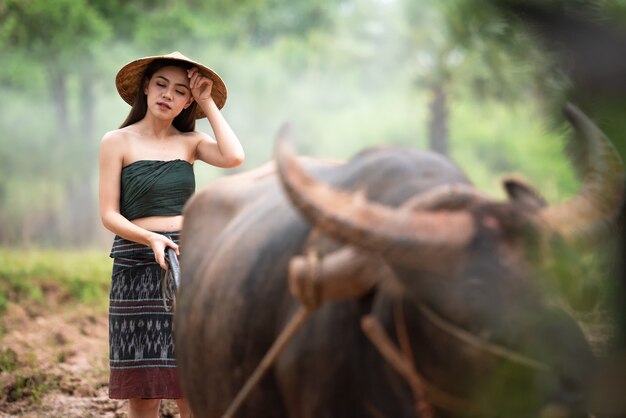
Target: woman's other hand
158,243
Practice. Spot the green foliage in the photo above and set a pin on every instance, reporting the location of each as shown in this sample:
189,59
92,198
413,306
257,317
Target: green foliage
8,360
19,71
490,139
3,306
54,33
500,59
347,74
261,22
23,379
53,276
614,8
31,385
124,17
183,27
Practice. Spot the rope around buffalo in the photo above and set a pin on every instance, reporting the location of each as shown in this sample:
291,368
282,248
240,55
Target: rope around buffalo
425,394
310,301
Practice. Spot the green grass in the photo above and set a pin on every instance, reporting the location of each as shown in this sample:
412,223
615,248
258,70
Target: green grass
30,384
45,277
43,282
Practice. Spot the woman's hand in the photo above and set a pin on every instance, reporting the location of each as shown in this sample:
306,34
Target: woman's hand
158,243
200,85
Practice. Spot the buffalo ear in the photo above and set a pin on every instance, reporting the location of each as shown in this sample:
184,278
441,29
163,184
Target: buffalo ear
523,194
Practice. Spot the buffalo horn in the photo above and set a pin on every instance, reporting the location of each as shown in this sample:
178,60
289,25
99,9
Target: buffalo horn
410,238
586,217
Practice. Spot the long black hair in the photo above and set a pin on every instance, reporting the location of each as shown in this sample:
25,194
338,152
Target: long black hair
184,122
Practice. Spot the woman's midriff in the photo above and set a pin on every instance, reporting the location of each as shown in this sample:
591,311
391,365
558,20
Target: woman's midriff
160,223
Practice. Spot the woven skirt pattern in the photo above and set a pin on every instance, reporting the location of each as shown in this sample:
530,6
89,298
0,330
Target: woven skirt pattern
141,341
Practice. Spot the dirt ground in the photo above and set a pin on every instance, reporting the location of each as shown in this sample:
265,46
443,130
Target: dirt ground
56,365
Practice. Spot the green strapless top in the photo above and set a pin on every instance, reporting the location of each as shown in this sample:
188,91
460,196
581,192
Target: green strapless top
155,188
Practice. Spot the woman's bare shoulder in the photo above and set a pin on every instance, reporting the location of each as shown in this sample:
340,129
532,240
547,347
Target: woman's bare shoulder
116,138
114,144
117,135
195,136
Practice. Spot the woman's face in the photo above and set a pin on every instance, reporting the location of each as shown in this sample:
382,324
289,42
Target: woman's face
168,92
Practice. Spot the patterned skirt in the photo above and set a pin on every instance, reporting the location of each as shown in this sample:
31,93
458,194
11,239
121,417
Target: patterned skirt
141,340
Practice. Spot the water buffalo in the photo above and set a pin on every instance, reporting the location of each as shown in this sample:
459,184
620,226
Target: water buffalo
462,284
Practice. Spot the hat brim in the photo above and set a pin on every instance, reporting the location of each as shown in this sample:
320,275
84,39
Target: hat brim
128,79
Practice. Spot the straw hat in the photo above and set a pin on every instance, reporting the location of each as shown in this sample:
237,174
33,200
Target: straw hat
129,78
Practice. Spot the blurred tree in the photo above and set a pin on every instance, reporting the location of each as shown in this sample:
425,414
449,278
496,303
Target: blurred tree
260,22
62,38
51,37
165,25
52,43
61,48
436,59
338,60
469,43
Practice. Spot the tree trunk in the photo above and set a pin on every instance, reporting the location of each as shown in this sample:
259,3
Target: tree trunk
76,223
87,104
80,211
58,89
80,196
438,123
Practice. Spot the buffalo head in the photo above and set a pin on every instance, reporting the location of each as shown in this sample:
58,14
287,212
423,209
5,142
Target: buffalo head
475,275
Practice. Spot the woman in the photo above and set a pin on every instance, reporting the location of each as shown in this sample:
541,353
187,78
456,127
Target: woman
146,176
